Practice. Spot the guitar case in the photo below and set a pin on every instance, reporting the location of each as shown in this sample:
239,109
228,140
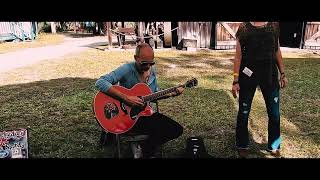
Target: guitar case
195,148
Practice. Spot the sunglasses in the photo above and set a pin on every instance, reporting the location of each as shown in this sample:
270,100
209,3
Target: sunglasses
145,63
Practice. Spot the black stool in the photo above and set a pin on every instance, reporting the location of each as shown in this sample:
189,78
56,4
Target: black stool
134,139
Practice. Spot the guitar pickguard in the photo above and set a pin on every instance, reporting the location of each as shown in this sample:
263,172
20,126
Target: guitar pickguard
135,112
111,110
123,107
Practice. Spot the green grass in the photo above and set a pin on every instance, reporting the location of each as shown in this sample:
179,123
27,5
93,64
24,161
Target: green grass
55,98
43,39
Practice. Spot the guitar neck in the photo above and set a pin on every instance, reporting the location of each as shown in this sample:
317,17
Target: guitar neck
159,94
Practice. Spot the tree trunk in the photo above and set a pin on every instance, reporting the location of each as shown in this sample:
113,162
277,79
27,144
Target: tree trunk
75,27
108,27
141,29
53,28
167,34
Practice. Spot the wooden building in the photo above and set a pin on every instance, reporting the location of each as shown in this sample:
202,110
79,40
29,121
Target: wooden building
311,39
20,31
221,35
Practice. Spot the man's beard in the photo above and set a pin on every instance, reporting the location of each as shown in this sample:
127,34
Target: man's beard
145,69
141,69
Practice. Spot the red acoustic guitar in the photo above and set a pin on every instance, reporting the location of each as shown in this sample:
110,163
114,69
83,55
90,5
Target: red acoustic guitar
116,117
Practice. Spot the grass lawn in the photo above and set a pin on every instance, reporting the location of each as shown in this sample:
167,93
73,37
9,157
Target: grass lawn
43,39
55,98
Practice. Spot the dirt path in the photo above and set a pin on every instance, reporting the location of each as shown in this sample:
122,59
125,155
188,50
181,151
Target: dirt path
12,60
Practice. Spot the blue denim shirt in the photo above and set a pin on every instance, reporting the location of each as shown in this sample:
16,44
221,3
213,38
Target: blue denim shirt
127,76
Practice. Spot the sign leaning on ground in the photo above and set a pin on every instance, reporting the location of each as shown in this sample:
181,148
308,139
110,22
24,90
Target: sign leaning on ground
14,144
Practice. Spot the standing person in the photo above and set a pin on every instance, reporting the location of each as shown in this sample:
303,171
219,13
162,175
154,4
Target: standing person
257,62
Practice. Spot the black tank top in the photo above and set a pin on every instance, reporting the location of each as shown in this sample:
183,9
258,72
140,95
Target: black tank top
258,48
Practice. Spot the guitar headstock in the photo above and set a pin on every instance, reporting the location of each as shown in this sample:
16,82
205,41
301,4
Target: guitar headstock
191,83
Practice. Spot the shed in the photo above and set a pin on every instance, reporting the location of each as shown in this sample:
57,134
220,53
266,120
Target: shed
20,31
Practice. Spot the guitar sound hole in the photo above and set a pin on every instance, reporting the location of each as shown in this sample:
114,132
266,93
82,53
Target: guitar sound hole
111,110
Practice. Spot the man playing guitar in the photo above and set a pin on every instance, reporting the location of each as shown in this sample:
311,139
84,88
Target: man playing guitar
159,127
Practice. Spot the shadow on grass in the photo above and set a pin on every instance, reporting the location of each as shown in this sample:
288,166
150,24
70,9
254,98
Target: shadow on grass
59,113
299,101
301,98
194,63
79,35
202,112
102,46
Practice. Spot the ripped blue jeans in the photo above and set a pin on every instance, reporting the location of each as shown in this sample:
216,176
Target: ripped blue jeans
272,100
